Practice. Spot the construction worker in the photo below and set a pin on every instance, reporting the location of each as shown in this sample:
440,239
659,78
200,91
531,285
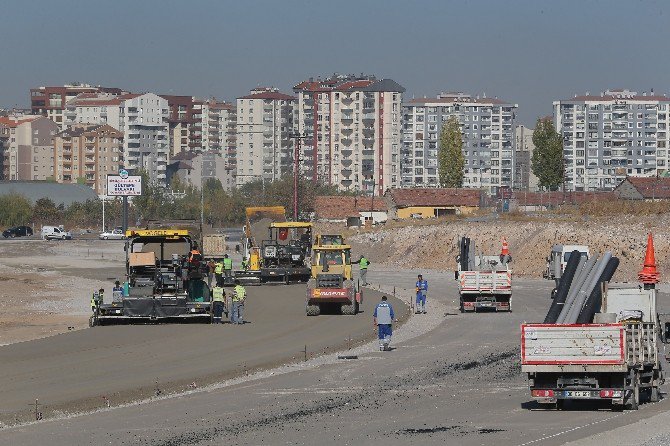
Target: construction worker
245,264
117,292
383,318
227,266
363,264
210,272
421,291
239,295
218,299
218,272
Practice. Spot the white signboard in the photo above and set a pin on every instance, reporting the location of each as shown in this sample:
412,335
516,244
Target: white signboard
124,185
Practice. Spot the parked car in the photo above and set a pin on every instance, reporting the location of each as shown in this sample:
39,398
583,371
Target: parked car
55,233
116,234
18,231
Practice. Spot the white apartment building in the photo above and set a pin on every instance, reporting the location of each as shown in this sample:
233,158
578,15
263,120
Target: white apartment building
219,123
264,128
610,136
143,119
487,126
352,131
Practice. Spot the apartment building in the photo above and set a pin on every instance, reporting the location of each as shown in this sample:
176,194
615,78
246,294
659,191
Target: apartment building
87,153
610,136
487,126
265,120
143,120
186,123
51,101
28,150
352,131
196,168
524,178
219,129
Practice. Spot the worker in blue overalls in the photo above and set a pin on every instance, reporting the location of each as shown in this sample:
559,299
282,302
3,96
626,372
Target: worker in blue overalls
421,291
383,320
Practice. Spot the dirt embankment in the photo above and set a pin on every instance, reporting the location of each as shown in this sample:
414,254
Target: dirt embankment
435,246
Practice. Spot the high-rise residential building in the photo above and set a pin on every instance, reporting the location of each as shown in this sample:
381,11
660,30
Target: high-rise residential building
352,131
186,123
143,120
28,154
219,124
524,178
265,120
487,126
610,136
51,101
88,153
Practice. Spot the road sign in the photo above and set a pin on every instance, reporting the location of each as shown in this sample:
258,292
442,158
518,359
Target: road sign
124,185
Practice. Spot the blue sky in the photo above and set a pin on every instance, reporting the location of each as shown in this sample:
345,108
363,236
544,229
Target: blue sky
528,52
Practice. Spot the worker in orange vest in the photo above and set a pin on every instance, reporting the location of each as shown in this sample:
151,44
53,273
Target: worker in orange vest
505,257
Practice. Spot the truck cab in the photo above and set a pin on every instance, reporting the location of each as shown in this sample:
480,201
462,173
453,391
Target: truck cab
558,259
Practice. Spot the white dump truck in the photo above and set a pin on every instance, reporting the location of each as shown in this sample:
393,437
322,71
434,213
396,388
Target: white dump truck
614,359
487,286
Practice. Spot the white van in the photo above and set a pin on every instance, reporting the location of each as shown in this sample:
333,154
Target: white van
558,259
55,233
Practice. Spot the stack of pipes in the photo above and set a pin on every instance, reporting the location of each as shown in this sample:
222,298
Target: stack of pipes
579,293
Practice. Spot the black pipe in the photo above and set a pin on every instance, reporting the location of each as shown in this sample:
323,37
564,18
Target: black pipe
563,287
594,301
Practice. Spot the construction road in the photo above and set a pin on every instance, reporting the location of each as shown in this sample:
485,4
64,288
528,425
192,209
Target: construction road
82,370
453,379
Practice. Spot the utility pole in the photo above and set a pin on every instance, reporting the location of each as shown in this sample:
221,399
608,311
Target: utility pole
296,171
103,213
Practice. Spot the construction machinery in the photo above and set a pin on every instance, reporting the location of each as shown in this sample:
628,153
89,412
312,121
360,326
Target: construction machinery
277,250
331,282
484,281
598,341
329,239
165,274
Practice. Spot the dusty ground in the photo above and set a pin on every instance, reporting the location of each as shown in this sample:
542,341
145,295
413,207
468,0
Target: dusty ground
435,245
454,380
45,287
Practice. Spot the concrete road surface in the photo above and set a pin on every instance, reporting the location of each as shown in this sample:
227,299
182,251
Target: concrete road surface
83,370
458,383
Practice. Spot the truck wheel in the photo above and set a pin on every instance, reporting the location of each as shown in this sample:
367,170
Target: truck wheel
634,399
560,404
349,310
313,310
461,306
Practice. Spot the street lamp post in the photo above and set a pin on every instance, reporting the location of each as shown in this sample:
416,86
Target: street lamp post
296,171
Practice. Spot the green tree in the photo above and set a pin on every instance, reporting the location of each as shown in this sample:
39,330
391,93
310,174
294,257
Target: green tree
547,161
45,211
15,210
450,155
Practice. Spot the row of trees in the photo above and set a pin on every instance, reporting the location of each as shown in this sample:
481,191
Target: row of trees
180,201
547,161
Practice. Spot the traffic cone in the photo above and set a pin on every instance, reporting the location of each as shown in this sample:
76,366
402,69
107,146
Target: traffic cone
649,275
505,247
